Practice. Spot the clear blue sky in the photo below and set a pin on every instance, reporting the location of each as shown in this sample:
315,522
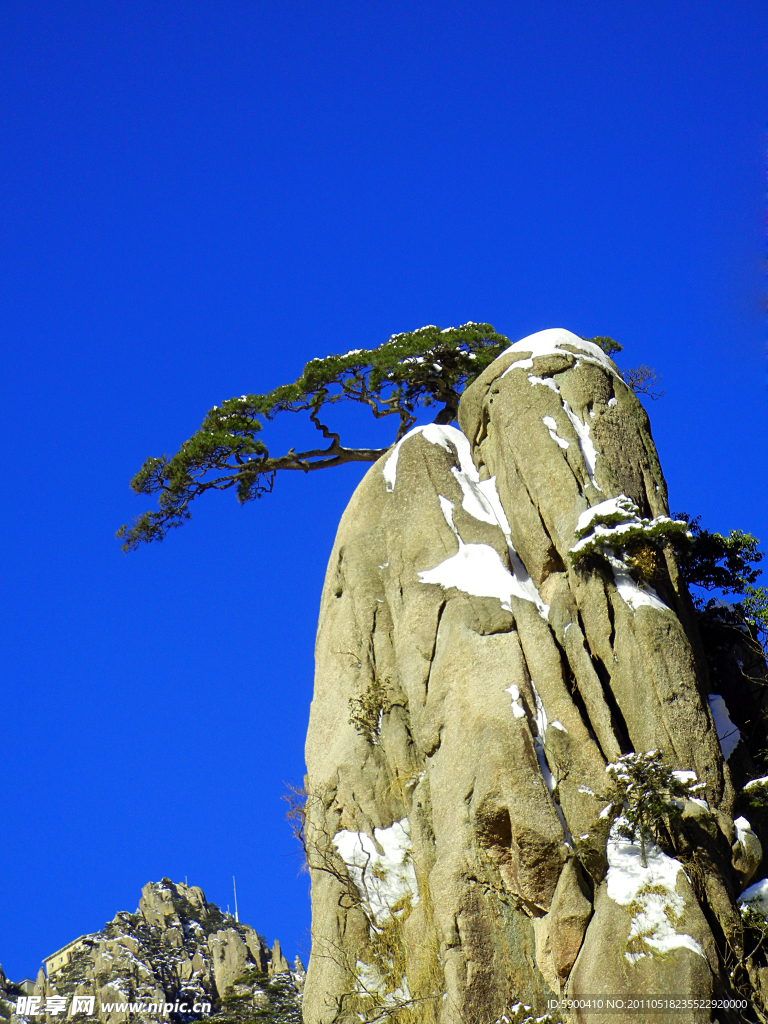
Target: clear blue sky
196,199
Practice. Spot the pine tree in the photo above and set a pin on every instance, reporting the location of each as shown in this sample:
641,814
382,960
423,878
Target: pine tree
650,792
419,369
414,370
409,370
713,561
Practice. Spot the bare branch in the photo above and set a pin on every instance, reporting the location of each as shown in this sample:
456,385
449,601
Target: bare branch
644,381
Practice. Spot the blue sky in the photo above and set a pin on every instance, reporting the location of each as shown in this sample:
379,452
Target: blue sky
199,197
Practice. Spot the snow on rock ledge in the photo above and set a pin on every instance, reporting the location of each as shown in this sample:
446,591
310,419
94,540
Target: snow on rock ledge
756,898
383,879
475,569
652,889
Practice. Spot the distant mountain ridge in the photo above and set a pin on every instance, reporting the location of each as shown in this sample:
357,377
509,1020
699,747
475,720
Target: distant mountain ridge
178,958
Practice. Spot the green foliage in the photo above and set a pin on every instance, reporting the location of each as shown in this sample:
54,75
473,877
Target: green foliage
710,560
241,1007
645,562
623,529
755,605
417,369
650,793
756,926
413,370
608,345
754,796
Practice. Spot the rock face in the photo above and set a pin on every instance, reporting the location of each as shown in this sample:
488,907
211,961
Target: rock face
177,958
474,676
9,993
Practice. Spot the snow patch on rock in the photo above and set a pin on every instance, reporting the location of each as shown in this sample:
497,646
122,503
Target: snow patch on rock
727,733
551,424
517,708
369,982
631,592
588,451
432,431
756,898
743,829
546,382
539,745
383,879
476,569
653,890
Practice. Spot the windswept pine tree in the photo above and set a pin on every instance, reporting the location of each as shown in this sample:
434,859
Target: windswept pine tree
426,368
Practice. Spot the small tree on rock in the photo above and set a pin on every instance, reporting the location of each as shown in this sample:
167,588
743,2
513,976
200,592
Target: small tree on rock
650,793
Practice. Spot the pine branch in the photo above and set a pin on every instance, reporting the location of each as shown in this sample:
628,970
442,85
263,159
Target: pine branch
412,370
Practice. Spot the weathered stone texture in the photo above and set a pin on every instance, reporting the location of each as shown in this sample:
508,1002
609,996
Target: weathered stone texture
465,701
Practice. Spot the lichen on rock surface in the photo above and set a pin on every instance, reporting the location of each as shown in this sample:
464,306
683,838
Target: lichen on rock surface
514,674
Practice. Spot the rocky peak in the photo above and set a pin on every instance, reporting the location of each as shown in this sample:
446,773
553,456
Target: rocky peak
163,902
502,618
177,958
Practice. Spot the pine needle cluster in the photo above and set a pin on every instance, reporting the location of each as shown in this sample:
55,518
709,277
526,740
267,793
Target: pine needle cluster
650,793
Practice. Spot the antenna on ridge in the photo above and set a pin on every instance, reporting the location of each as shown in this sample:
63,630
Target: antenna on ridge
234,889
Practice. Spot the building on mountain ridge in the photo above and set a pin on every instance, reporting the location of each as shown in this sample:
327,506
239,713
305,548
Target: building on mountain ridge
62,956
